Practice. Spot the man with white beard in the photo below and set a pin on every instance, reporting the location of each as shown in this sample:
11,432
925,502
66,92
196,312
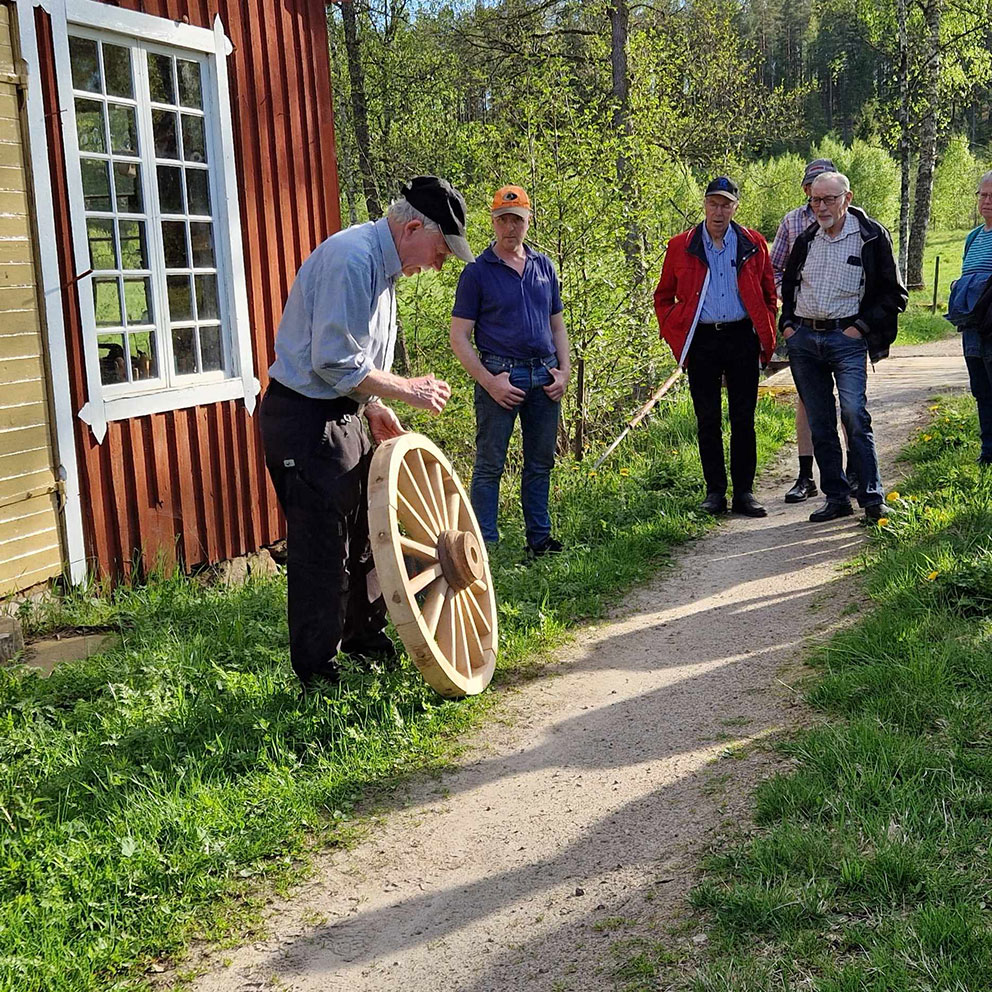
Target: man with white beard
841,300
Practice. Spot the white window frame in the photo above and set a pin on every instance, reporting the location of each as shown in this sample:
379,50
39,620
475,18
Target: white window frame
105,404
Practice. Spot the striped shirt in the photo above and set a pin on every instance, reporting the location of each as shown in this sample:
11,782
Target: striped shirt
978,254
793,224
833,279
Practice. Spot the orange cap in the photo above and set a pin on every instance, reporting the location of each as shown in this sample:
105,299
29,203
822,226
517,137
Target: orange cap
511,200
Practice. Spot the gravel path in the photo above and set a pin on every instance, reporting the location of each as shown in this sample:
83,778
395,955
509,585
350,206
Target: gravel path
592,797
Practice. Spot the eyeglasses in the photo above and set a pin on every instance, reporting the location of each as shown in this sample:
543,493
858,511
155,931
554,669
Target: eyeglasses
984,196
827,201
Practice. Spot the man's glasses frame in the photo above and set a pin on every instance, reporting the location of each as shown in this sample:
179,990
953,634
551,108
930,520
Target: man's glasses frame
827,201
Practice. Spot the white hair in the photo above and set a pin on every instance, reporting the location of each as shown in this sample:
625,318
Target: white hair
836,177
402,212
987,178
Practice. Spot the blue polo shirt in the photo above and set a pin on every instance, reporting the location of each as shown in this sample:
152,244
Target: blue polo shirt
512,313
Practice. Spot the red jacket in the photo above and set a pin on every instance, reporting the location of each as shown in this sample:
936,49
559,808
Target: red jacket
678,298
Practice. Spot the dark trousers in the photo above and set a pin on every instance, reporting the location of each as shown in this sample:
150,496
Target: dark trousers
715,354
318,456
980,376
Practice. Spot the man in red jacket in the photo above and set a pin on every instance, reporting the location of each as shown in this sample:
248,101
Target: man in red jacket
716,305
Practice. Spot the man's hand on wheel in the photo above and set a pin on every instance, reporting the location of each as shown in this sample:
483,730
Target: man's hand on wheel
383,423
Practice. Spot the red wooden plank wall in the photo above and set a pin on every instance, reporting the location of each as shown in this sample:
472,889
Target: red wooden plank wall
192,482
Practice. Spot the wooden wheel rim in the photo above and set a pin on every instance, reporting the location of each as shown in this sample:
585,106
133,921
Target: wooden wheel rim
426,543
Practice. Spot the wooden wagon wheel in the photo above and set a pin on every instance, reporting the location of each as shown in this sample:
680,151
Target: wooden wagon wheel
432,565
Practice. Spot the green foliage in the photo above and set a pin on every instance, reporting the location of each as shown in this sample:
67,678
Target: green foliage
873,857
955,181
769,190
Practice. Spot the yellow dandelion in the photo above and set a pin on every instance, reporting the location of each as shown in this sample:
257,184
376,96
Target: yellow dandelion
893,495
625,471
883,521
932,576
927,437
592,474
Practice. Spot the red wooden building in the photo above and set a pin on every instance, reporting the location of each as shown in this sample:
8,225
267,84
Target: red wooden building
182,166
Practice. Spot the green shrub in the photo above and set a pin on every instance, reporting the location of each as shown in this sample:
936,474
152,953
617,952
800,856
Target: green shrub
954,183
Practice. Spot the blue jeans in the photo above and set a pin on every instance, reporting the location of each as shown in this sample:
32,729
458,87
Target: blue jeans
978,358
818,360
493,427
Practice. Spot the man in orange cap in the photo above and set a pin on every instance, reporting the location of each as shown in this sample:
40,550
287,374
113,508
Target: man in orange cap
510,298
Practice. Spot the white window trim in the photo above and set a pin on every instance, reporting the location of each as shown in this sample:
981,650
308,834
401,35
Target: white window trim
100,409
58,360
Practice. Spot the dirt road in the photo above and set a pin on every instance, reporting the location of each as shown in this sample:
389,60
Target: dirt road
591,799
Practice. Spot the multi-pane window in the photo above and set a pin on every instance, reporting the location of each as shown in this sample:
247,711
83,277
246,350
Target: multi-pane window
143,136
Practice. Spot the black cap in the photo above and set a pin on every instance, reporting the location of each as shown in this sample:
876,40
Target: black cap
723,186
816,168
439,201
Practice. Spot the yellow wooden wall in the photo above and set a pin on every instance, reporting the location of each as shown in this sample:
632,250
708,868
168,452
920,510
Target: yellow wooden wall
30,547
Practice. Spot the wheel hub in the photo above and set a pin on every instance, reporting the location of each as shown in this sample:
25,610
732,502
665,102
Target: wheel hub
461,558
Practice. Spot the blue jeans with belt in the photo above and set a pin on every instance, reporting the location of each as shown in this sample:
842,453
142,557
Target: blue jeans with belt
818,360
539,427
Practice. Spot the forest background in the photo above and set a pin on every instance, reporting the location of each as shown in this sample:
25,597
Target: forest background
615,115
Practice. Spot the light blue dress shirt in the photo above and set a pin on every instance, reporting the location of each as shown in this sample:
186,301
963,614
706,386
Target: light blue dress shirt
339,322
723,300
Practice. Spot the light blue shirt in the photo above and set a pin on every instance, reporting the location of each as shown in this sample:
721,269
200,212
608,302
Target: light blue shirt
723,300
339,322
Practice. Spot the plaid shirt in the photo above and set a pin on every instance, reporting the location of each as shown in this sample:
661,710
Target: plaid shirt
833,278
793,224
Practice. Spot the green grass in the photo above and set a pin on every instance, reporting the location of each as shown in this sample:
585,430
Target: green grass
872,867
918,325
149,795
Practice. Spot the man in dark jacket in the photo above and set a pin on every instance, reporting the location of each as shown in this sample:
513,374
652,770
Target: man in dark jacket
716,304
841,300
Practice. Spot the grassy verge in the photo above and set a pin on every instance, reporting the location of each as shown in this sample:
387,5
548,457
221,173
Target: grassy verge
918,325
146,793
871,868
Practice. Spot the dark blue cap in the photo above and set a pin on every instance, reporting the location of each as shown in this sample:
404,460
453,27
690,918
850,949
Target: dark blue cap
724,186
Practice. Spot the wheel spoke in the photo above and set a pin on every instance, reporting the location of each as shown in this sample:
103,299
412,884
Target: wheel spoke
423,579
454,506
419,529
462,659
476,651
427,486
433,605
476,611
446,626
437,490
417,550
409,488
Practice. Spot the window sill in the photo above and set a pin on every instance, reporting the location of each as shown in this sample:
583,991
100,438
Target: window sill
99,413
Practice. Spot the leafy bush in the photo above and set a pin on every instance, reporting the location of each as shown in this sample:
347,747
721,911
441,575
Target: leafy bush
769,190
954,183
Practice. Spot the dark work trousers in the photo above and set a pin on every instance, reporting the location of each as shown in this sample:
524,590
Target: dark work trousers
732,352
318,456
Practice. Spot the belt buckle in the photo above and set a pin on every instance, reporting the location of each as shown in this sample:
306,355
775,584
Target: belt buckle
719,325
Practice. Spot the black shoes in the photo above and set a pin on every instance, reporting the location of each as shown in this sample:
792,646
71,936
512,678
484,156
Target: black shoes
802,490
715,503
549,546
831,511
876,511
746,504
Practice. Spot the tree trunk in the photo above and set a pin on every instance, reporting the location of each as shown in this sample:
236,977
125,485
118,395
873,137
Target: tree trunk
928,150
619,23
359,106
902,15
579,440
